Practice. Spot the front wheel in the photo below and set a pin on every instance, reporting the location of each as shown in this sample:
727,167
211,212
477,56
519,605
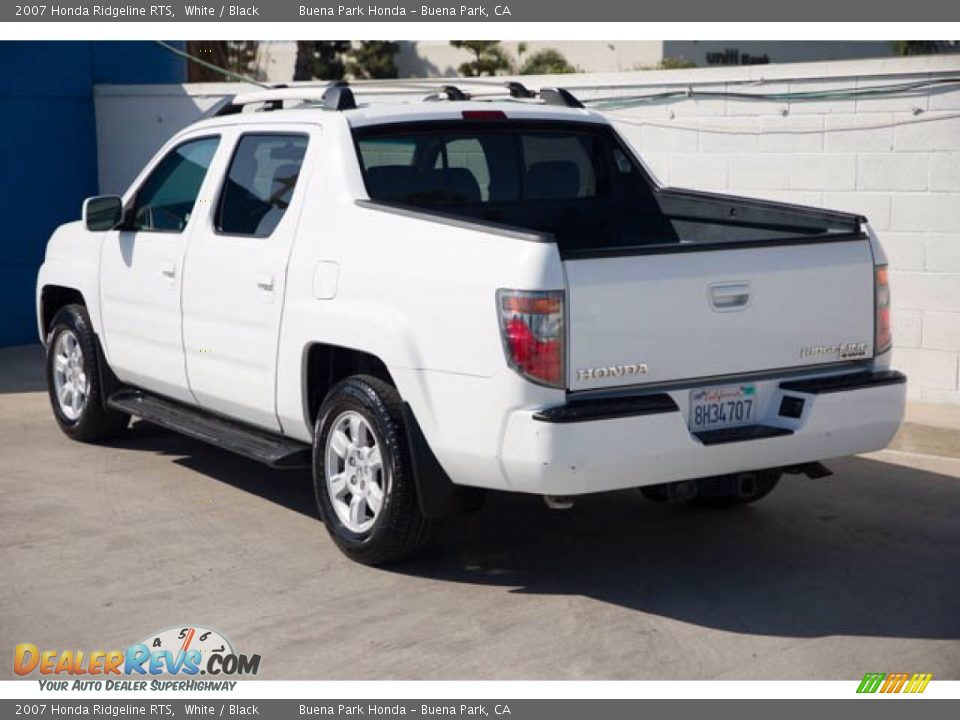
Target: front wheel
363,478
73,379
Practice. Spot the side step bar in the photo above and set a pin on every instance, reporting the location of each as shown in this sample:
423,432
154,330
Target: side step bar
273,450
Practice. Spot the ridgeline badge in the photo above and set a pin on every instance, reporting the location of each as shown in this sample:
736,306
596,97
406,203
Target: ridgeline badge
842,351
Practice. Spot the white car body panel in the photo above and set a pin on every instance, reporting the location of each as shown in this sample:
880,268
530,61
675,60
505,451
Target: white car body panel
72,261
657,310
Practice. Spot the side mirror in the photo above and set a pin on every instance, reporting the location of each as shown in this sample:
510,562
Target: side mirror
103,212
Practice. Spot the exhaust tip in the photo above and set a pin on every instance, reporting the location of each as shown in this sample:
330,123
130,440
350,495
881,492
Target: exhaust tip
558,502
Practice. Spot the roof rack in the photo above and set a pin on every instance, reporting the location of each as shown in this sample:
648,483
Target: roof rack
516,90
336,96
339,96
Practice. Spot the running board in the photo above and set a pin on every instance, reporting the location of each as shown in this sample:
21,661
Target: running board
273,450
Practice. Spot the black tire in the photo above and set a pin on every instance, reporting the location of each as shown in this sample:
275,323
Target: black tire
740,492
94,422
399,529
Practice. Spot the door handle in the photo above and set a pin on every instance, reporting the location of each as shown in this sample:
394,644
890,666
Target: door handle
169,269
730,296
265,282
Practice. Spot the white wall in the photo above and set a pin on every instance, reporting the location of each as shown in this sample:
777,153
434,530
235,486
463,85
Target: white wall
433,58
436,58
896,160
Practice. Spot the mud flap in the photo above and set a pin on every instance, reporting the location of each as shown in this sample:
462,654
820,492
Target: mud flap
439,497
109,383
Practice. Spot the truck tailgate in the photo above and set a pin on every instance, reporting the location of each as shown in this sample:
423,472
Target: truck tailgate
654,318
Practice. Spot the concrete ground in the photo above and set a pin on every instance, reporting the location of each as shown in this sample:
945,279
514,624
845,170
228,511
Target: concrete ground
828,579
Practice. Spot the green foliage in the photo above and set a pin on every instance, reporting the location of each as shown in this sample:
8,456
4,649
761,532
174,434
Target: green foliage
373,60
668,63
335,59
547,62
321,59
675,63
918,47
489,58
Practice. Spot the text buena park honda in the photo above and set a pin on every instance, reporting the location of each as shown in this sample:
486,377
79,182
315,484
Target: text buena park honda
399,709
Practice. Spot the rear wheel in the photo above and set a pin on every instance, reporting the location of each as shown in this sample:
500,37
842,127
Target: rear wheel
73,379
363,478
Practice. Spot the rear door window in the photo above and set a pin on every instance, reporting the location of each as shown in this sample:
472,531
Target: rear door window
260,183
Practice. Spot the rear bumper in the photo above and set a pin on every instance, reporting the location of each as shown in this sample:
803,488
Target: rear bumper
596,446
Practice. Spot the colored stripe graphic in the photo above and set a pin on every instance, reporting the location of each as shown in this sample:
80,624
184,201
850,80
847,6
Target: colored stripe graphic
918,683
871,682
894,683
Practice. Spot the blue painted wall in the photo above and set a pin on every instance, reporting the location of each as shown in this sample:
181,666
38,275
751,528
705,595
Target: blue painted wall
48,150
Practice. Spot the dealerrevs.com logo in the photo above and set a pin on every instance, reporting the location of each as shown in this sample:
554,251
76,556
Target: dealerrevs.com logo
180,651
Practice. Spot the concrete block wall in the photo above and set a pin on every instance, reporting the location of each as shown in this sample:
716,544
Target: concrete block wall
894,159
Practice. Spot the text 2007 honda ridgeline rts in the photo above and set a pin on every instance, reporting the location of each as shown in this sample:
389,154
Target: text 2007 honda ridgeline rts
424,301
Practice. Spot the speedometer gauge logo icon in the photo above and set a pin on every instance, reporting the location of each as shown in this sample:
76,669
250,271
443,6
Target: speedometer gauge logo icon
181,640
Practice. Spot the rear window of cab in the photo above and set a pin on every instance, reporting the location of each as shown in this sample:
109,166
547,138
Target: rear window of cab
439,164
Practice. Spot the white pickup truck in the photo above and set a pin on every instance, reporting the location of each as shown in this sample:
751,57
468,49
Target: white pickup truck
423,301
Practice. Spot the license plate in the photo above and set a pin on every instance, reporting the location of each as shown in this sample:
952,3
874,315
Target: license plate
720,407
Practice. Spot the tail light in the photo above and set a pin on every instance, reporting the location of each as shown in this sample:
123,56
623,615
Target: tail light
532,329
883,333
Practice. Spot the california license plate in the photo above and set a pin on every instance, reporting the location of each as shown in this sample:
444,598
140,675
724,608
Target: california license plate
720,407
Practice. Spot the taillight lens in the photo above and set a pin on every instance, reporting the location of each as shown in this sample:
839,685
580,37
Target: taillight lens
883,333
532,329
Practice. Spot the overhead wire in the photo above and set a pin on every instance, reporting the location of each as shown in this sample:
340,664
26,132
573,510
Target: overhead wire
614,103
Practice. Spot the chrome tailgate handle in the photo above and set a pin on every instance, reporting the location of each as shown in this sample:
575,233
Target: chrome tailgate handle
726,297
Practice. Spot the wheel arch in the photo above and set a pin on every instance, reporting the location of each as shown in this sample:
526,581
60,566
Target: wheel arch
70,271
52,299
325,365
